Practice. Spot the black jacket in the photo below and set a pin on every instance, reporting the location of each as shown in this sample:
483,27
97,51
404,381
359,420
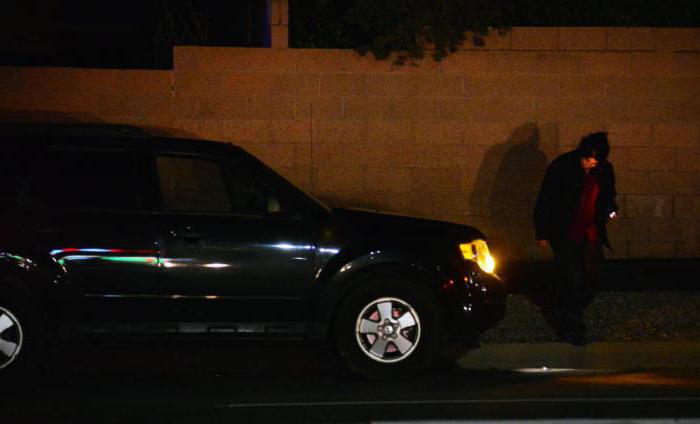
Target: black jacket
560,196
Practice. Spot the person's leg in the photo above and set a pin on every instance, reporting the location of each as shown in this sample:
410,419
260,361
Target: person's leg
593,260
568,291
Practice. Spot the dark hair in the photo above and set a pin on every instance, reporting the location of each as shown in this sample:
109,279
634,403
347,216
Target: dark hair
594,145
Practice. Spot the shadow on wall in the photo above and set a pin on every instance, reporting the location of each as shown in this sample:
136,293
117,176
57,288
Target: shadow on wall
505,192
51,117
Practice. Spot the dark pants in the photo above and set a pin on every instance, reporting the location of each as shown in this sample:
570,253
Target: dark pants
579,267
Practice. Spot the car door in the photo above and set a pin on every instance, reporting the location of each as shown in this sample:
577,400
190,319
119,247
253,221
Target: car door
234,249
85,209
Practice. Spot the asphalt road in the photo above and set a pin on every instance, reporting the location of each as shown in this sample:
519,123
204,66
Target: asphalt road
294,382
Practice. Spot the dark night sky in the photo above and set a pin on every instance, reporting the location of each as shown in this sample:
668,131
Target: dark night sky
140,34
121,34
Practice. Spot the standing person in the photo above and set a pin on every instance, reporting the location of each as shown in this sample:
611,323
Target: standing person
576,200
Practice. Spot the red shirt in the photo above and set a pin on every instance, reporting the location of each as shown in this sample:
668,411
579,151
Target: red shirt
584,225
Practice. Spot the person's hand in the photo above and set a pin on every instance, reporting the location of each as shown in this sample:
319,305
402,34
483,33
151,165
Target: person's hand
543,244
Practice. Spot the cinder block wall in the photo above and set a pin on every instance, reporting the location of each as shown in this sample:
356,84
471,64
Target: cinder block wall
466,139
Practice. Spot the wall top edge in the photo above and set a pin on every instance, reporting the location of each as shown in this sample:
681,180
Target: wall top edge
627,39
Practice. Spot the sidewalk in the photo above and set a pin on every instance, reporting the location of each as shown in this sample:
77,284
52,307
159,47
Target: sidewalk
604,355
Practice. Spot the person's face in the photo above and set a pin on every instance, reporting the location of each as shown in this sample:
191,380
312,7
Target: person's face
588,163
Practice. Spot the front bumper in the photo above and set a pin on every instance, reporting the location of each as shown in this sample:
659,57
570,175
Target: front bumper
476,302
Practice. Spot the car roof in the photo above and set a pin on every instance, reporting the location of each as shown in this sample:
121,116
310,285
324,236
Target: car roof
192,145
174,144
51,129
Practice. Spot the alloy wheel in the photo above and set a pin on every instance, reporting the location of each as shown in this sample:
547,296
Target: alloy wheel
11,337
388,329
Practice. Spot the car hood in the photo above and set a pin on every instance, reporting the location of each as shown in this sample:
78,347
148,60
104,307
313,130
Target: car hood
370,223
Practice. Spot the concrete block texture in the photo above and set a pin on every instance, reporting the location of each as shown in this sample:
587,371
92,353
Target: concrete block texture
430,85
652,158
456,132
664,64
487,109
582,38
337,131
582,86
279,11
245,131
688,159
535,85
663,110
606,63
686,207
279,36
320,107
634,182
687,250
390,108
339,178
534,38
535,62
630,39
630,229
227,59
680,230
491,85
650,249
465,139
300,84
629,86
341,84
649,206
677,39
677,135
381,132
398,180
467,62
128,105
674,182
677,87
630,134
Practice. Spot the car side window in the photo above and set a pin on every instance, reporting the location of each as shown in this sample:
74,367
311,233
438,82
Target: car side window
254,193
192,185
85,179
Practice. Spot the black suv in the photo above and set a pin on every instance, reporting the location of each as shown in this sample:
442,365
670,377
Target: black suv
107,230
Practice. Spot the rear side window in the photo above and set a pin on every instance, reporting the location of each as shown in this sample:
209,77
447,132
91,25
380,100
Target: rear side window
16,161
192,185
86,179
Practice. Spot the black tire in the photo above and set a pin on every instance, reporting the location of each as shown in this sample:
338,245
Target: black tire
376,355
20,338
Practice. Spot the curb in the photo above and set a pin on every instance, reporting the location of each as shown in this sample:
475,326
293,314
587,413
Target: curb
506,356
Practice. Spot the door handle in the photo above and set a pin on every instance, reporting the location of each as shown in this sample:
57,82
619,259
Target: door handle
44,229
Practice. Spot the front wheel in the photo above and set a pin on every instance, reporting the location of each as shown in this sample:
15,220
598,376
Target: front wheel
388,328
19,342
11,338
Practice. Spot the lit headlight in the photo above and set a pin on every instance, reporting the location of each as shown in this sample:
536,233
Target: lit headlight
478,251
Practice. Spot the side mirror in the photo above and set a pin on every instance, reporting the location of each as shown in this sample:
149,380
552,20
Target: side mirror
273,205
274,209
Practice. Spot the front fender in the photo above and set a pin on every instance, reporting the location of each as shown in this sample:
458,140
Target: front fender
334,283
16,263
43,281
